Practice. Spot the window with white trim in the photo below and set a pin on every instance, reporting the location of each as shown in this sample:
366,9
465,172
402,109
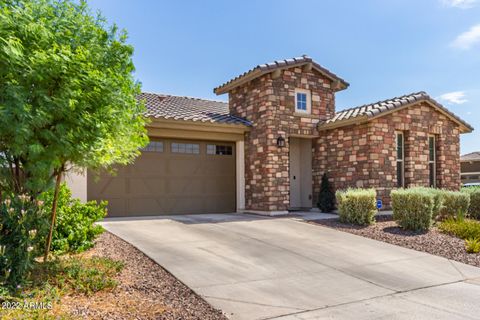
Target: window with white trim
400,160
191,148
153,146
303,101
432,157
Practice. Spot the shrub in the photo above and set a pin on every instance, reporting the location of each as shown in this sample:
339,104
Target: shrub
326,200
65,276
472,245
437,201
413,208
90,275
75,228
465,229
474,208
357,206
454,204
23,227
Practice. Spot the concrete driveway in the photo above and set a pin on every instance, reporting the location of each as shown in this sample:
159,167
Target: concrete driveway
255,267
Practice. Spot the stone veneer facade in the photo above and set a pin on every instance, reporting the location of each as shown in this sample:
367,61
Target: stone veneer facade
364,155
358,155
270,104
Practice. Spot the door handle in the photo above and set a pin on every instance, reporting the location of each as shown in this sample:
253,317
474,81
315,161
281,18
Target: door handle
294,178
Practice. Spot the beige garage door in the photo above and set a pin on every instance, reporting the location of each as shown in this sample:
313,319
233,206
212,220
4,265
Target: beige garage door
171,177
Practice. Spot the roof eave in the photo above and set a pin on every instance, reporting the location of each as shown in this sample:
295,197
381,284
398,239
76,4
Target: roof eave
464,127
159,121
237,82
342,123
339,84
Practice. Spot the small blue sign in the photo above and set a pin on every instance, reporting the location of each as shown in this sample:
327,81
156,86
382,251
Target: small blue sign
379,204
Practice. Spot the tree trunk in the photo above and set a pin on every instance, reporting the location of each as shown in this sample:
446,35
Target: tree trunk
54,213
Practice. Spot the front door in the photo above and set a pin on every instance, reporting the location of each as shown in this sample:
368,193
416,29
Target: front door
300,173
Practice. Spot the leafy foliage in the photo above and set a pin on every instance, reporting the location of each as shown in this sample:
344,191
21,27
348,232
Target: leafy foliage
472,245
22,230
474,208
464,229
413,208
75,229
63,276
84,275
67,97
454,204
67,93
326,200
357,206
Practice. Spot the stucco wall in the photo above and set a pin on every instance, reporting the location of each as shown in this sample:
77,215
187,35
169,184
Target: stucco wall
77,182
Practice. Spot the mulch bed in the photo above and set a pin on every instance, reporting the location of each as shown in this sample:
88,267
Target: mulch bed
145,290
433,241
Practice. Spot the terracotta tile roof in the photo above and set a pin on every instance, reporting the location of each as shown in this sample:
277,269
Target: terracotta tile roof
189,109
368,111
262,69
473,156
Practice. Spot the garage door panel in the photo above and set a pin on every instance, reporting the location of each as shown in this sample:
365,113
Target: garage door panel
146,165
145,206
184,185
144,187
185,166
218,204
220,187
220,167
111,186
116,206
194,204
163,182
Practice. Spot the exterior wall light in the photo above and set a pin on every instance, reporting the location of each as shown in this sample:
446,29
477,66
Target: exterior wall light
280,142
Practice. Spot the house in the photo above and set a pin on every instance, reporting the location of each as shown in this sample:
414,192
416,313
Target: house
470,167
266,149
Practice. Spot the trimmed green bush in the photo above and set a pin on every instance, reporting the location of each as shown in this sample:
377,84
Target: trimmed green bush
454,204
75,228
474,208
413,208
357,206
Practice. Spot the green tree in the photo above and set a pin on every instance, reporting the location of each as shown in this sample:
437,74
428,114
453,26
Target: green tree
67,94
326,199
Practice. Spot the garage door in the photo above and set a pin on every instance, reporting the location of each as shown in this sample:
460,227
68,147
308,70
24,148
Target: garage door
171,177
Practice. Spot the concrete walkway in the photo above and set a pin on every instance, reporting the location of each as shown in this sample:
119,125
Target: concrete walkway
255,267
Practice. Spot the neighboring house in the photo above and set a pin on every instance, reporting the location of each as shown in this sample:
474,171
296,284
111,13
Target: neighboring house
266,149
470,167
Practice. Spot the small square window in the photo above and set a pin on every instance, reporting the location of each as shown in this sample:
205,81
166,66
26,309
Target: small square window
211,149
154,146
191,148
302,101
216,149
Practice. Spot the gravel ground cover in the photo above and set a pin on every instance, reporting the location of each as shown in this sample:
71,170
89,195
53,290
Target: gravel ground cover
145,290
387,230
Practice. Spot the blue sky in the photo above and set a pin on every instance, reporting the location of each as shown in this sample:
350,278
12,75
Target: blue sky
382,48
